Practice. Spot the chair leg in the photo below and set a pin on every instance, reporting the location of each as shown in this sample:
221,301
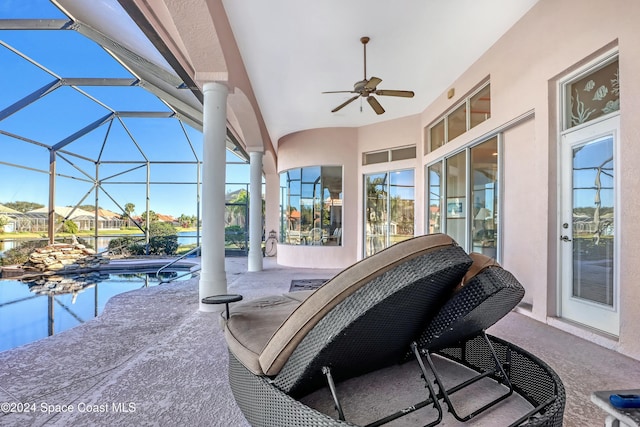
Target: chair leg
431,399
432,393
327,372
446,393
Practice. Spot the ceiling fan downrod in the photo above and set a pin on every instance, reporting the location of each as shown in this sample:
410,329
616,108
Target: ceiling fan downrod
364,41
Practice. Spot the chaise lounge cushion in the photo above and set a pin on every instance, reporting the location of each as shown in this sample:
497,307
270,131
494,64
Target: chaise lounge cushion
262,334
251,324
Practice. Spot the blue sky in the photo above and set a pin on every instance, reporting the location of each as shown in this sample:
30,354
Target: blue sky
63,112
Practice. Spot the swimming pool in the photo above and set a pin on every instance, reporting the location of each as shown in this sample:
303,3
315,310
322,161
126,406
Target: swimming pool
31,311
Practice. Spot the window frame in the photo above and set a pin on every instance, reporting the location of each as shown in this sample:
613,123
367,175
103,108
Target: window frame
444,118
565,97
388,173
326,238
468,192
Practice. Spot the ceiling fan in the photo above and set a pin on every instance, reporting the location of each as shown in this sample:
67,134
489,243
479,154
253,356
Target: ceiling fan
368,87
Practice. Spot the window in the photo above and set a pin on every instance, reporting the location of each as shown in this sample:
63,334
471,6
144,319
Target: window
473,226
480,107
434,177
456,190
311,202
593,95
403,153
391,155
389,209
376,157
437,135
474,110
457,122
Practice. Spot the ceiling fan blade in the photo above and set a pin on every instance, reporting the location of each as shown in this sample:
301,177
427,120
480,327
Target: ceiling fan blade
372,83
402,93
341,91
375,105
344,104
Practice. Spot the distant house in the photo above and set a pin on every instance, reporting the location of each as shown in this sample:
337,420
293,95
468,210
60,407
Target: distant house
11,215
167,218
159,217
83,219
112,219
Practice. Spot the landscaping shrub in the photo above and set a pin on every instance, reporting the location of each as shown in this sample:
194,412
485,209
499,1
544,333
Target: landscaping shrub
163,240
235,235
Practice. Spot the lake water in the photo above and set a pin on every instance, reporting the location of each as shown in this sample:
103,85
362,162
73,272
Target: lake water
184,238
29,312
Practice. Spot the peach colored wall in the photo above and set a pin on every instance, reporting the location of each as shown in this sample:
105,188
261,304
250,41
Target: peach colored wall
629,179
519,143
324,147
524,66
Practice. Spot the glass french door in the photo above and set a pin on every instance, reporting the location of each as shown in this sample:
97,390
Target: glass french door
587,228
389,209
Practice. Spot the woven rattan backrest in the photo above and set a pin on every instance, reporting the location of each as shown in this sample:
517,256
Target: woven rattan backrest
488,293
374,325
343,285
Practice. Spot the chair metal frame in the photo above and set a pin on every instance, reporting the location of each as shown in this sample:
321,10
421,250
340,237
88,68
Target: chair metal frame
432,399
499,373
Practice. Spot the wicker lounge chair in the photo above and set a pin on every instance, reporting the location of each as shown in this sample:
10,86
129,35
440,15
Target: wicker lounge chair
368,317
485,295
362,320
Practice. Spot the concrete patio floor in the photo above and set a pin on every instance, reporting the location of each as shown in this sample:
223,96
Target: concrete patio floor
152,359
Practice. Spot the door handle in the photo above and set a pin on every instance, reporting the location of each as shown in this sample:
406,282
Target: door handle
565,238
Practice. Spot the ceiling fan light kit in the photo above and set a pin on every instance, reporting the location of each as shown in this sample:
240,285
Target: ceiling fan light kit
366,88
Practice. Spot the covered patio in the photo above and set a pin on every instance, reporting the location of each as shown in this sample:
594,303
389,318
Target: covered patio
158,356
153,359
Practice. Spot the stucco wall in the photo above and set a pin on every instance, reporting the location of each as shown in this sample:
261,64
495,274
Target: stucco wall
324,147
524,68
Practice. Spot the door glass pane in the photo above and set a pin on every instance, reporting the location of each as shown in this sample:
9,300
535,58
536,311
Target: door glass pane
484,193
456,201
593,213
435,197
401,200
375,212
389,209
595,95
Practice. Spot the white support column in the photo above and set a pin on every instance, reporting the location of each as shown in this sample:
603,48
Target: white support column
255,211
213,277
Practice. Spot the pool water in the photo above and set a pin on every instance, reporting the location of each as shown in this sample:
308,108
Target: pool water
31,311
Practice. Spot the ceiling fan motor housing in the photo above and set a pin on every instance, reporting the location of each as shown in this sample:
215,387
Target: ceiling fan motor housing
360,86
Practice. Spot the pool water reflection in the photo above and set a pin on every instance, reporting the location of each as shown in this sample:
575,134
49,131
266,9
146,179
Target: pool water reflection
33,310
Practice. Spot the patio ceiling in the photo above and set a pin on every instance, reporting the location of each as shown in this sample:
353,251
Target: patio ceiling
293,51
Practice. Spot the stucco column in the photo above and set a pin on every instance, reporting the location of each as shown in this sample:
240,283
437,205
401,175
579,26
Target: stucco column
255,211
213,277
